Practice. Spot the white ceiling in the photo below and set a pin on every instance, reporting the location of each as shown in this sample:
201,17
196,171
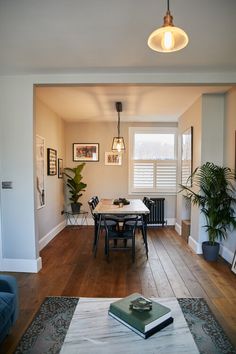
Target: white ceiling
111,35
141,103
100,36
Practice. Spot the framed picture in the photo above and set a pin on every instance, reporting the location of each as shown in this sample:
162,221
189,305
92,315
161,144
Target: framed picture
60,168
234,263
113,158
40,176
187,157
52,162
85,152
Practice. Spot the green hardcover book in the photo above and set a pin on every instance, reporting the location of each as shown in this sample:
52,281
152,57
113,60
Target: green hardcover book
145,323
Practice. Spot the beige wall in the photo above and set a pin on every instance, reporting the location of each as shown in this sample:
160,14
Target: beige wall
214,126
51,128
192,117
102,180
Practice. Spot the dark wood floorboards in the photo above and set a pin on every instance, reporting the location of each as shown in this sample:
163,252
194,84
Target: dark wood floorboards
172,269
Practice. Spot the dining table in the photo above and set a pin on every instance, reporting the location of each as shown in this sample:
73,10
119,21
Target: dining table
133,207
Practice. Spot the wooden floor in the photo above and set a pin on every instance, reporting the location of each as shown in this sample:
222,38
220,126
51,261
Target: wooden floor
172,270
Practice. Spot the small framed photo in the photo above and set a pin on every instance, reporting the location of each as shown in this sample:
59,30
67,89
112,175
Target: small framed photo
113,158
85,152
52,162
60,168
234,263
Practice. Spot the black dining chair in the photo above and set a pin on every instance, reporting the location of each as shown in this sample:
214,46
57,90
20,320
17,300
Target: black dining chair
112,223
141,222
119,237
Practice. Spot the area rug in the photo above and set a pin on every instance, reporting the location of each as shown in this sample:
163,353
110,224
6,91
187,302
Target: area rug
46,333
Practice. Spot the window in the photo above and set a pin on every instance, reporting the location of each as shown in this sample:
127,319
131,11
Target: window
153,162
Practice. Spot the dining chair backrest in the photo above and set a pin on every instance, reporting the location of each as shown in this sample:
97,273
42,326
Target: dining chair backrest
96,200
148,202
92,205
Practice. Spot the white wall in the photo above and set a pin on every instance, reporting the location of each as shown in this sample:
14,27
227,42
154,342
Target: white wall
49,219
229,160
19,246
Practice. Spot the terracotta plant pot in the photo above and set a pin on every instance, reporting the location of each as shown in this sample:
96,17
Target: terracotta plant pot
210,252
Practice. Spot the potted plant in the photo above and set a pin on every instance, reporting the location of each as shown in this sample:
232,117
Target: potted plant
216,198
75,185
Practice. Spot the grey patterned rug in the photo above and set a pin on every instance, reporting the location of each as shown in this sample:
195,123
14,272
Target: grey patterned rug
46,333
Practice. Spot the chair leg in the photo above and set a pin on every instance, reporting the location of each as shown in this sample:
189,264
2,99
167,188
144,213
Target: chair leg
107,248
133,249
95,235
144,233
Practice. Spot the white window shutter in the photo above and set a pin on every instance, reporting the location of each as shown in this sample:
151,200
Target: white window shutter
143,175
166,176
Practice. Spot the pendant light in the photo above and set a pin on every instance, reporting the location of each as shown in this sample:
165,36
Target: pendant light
118,143
168,38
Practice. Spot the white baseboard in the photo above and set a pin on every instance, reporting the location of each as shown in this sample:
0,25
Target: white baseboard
169,222
194,245
178,229
47,238
226,254
21,265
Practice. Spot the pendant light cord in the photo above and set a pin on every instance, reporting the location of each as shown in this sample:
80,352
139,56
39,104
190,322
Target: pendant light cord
118,125
168,6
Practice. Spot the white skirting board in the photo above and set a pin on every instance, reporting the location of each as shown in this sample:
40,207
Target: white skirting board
51,234
224,252
194,245
178,229
21,265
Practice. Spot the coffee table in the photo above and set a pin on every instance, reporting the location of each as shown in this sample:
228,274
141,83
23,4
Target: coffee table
93,331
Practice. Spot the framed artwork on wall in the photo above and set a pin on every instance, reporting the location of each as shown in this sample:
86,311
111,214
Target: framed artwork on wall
85,152
40,177
187,157
113,158
60,168
52,162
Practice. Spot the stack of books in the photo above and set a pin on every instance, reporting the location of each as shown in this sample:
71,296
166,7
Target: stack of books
143,316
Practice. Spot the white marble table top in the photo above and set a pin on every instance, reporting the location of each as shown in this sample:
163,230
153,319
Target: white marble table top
136,206
93,331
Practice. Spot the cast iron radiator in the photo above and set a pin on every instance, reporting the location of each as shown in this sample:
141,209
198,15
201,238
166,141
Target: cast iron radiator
157,210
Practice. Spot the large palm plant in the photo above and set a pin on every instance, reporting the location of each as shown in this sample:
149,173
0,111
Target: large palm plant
216,196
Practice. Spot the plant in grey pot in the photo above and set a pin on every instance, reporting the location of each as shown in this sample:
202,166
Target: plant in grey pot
216,197
75,185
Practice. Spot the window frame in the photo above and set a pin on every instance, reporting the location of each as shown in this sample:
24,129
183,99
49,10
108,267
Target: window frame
151,130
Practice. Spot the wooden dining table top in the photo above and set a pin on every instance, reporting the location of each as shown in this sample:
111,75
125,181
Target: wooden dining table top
136,207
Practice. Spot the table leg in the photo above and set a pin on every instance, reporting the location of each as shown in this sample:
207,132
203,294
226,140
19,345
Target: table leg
144,232
97,233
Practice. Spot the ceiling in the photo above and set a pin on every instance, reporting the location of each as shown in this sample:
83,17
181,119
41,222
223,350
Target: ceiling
62,36
141,103
110,36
